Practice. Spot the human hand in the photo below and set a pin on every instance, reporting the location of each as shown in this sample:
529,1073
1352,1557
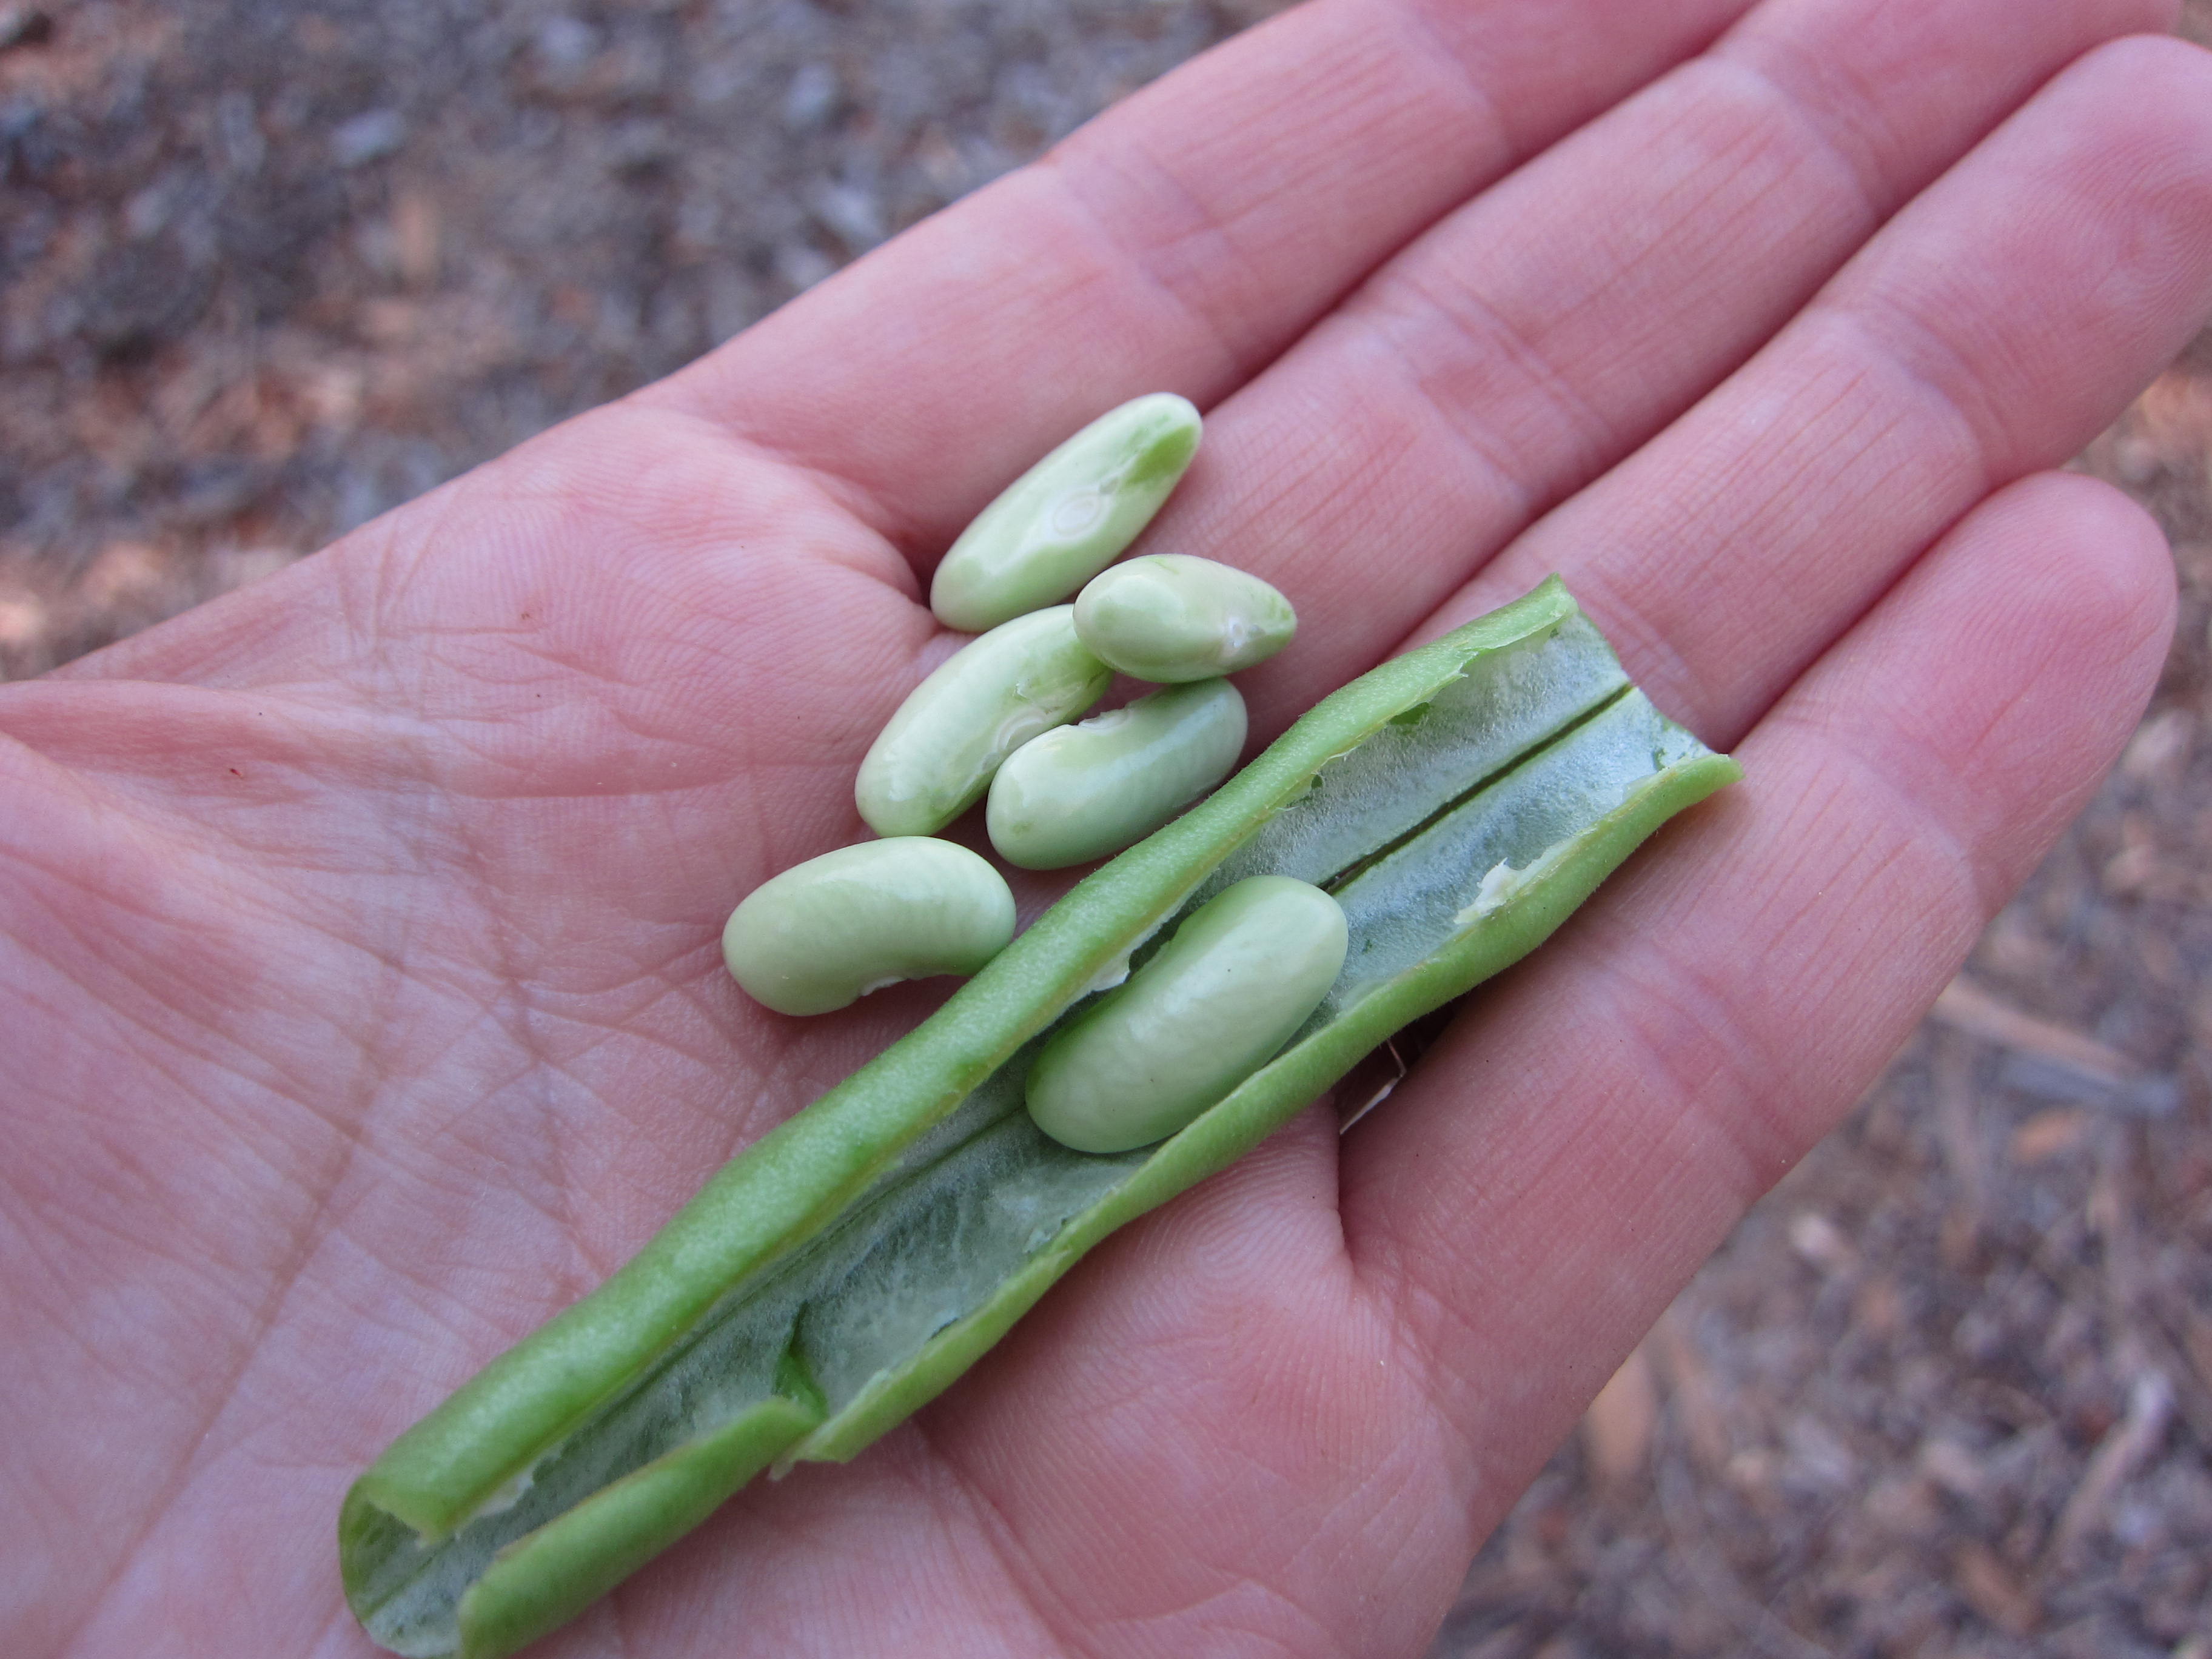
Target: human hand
361,926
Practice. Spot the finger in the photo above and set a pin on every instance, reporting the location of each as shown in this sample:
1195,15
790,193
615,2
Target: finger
1538,337
2002,321
1177,242
1585,1135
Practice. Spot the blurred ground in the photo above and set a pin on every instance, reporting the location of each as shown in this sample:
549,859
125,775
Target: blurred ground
265,270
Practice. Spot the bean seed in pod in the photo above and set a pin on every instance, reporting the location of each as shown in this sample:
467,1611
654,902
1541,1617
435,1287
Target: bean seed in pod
936,756
1237,980
826,932
1080,792
1068,517
1169,617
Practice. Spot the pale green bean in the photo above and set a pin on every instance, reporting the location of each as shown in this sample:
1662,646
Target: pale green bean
826,932
938,754
1228,990
1171,617
1079,793
1068,517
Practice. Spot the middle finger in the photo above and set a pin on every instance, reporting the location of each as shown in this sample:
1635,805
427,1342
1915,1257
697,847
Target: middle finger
1991,332
1540,334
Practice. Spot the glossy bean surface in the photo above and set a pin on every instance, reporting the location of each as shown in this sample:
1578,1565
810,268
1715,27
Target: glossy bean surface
1069,516
1171,617
1228,990
937,754
1083,791
826,932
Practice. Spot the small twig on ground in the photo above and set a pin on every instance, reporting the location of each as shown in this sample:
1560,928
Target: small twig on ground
2119,1454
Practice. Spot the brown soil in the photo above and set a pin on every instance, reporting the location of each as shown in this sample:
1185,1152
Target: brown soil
269,270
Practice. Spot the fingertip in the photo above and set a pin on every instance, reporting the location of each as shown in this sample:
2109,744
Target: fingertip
2090,567
1994,685
2159,90
2148,58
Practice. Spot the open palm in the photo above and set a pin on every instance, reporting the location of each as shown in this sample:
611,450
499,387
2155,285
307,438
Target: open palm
357,934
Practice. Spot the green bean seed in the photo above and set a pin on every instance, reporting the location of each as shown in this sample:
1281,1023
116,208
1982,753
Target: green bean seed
938,754
1068,517
1171,617
1079,793
826,932
1227,991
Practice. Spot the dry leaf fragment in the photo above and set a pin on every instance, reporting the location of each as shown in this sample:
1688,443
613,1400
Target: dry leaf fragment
2048,1134
1990,1587
1618,1427
2124,1447
1698,1407
1977,1011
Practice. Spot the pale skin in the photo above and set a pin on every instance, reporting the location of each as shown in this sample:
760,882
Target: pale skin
358,959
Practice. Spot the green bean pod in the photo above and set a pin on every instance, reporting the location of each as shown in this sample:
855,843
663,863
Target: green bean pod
1080,792
1068,517
1457,803
936,756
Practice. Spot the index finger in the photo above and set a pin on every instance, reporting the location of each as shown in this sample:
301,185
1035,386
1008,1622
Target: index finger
1177,243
